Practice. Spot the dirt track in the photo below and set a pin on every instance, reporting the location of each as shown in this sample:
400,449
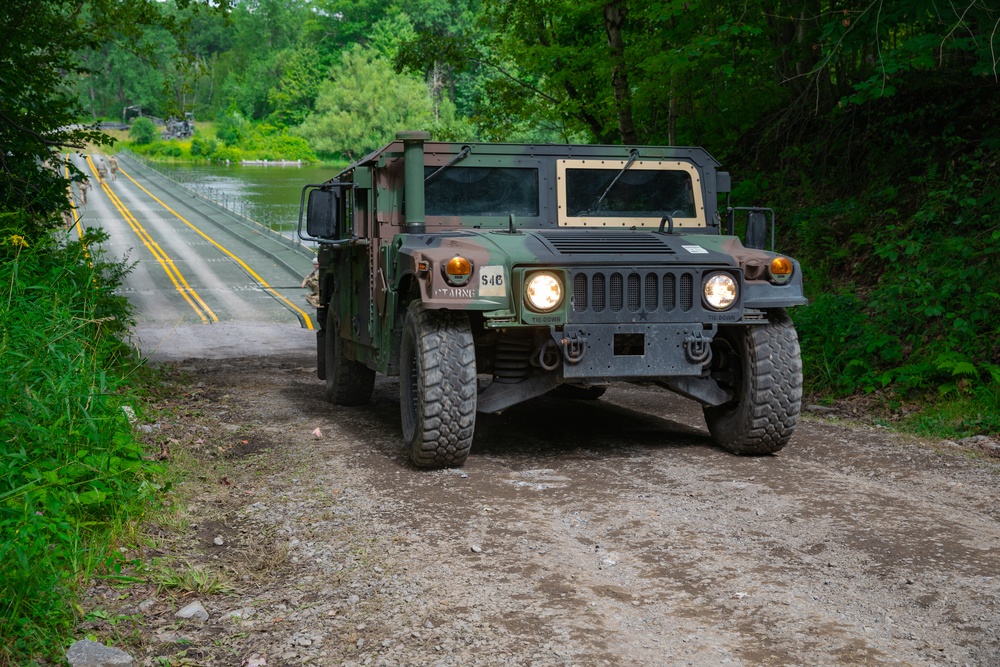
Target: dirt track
579,533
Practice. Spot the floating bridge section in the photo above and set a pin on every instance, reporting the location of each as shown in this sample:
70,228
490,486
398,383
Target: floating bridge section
194,264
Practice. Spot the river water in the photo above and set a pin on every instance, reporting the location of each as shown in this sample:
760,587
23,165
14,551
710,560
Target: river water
268,194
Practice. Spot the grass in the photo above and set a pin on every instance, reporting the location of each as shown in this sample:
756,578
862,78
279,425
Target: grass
187,578
957,417
74,481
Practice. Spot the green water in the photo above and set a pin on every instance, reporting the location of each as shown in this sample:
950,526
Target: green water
268,194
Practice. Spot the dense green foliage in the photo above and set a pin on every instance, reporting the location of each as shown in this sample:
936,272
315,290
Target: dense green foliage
71,471
243,141
365,102
902,257
667,72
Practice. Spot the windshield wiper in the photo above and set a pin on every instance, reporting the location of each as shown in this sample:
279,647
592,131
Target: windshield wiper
633,154
461,154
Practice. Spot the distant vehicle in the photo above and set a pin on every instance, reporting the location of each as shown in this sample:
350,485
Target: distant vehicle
177,128
485,275
130,113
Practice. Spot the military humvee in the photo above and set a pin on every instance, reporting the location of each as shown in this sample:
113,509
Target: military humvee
177,128
484,275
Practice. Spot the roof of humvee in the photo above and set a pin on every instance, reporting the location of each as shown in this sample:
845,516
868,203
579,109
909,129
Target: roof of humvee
698,156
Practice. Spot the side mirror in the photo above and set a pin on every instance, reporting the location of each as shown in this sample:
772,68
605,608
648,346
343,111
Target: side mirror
723,184
758,225
756,236
322,213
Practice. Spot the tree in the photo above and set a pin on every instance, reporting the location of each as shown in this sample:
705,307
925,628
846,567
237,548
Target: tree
364,105
121,76
705,71
292,98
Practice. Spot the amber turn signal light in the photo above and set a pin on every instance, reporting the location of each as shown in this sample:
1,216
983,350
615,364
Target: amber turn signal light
458,266
780,269
457,270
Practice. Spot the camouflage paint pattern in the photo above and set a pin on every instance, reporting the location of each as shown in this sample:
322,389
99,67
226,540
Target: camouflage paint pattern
376,267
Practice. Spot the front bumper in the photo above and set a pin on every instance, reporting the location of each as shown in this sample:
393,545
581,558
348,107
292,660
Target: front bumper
631,351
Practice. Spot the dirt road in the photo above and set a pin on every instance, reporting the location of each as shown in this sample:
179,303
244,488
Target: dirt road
579,533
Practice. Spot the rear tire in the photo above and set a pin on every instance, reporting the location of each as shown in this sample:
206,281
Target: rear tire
437,386
348,382
764,368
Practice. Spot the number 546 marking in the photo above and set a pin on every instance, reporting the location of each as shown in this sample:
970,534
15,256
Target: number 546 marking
492,281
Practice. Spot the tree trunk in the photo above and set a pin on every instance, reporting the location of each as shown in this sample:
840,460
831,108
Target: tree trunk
672,115
793,28
614,17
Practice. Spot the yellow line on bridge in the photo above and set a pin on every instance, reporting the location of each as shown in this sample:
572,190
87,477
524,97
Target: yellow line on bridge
263,283
176,277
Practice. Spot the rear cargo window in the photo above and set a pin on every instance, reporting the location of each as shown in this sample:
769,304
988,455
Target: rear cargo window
481,191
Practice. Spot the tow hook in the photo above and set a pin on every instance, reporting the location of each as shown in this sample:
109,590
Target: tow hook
574,344
698,349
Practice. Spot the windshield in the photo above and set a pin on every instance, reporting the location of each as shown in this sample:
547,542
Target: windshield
482,191
638,193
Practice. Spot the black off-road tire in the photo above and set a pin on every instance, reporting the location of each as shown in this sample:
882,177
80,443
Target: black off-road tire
437,386
580,393
765,368
348,382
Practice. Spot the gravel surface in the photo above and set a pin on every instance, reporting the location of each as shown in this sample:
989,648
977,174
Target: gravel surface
606,532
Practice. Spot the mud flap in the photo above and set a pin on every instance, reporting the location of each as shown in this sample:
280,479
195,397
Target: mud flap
321,353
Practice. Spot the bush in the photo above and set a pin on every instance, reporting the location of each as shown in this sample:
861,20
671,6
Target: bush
269,143
232,128
243,141
227,153
142,131
201,147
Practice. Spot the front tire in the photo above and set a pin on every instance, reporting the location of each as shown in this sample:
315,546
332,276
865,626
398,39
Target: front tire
761,365
437,386
348,382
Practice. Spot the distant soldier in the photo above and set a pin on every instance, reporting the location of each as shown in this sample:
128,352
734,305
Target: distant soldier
113,163
102,170
84,185
311,282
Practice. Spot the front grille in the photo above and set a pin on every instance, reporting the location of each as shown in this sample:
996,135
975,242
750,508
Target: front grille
687,292
641,294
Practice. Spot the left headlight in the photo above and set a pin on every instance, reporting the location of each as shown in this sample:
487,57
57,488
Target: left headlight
720,291
543,292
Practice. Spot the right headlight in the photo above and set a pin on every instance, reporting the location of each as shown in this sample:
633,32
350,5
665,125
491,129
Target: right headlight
543,292
720,291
